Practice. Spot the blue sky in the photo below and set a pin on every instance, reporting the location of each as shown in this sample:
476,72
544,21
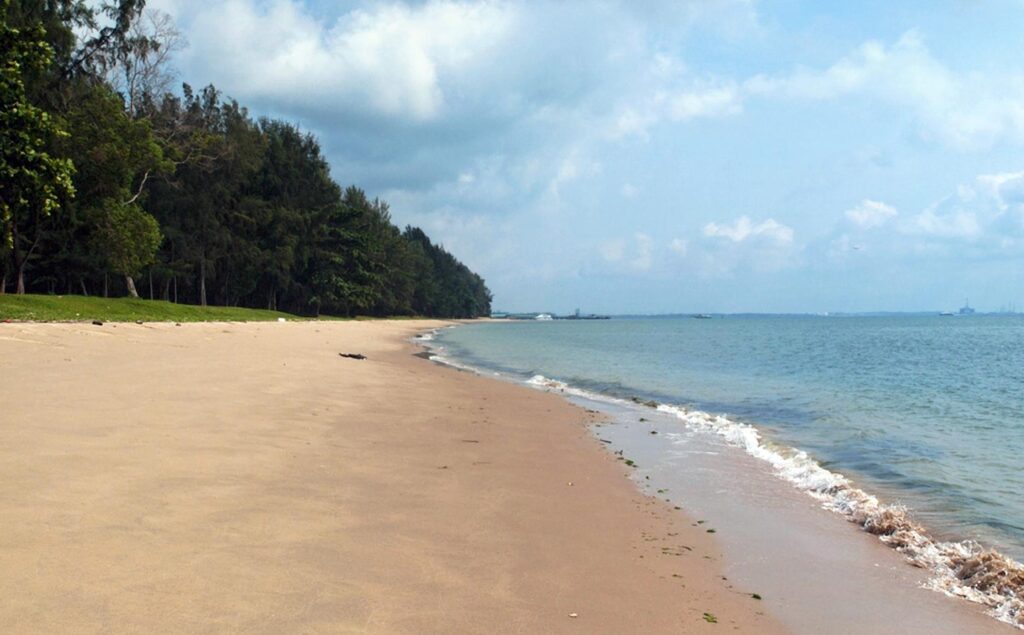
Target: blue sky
712,155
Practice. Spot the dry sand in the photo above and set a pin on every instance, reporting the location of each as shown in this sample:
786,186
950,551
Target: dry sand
216,478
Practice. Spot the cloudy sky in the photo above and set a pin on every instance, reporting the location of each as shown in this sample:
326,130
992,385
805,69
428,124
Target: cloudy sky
702,155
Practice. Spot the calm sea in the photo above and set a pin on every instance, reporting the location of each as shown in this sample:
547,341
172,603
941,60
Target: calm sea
923,411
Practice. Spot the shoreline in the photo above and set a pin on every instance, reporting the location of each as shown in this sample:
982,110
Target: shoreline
223,477
962,571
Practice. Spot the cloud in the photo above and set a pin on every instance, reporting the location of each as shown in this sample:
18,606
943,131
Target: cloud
968,111
743,229
956,224
870,214
743,245
713,101
389,60
988,211
679,246
700,99
981,220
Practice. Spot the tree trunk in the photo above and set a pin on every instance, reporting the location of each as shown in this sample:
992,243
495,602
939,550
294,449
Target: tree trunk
81,282
151,283
106,286
202,281
19,266
175,289
3,283
166,295
130,282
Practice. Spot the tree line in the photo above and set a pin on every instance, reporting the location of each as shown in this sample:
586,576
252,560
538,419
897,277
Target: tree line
111,183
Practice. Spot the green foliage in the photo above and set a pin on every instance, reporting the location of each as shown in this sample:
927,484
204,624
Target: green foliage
127,236
32,180
113,153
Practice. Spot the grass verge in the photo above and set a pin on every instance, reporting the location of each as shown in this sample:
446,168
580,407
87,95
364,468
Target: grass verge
58,308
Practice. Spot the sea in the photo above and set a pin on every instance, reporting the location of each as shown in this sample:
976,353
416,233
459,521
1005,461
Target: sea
911,427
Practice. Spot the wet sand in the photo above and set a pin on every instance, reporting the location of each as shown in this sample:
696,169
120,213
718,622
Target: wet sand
216,478
816,571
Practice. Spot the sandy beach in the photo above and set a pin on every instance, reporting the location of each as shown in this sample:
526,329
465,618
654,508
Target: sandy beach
227,477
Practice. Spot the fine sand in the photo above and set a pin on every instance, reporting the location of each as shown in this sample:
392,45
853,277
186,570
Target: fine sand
215,478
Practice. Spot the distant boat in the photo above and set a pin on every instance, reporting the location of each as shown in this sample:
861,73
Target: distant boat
947,314
702,316
544,317
966,309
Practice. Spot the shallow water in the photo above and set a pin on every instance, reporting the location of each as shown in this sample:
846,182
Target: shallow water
927,412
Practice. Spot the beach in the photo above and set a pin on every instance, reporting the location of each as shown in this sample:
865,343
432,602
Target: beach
245,477
698,407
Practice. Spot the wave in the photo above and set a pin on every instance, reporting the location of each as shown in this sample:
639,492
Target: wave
963,569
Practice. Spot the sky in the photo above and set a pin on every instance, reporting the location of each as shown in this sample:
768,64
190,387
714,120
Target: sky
646,157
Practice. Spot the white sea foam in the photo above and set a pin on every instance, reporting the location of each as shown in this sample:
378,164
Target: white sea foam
965,569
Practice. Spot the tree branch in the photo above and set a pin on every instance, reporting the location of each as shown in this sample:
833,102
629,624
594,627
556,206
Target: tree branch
142,185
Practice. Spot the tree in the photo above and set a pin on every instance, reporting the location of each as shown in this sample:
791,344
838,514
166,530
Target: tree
32,180
117,156
128,238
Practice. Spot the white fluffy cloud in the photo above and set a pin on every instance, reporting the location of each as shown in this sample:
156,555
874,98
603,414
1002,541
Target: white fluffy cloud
390,59
743,229
964,110
676,97
870,214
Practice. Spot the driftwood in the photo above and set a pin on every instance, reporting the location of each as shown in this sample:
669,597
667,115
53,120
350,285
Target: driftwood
353,355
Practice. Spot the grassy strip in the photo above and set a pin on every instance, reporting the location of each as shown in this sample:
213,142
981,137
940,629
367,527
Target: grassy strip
56,308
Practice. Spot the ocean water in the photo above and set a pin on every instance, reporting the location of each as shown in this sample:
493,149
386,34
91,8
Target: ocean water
913,427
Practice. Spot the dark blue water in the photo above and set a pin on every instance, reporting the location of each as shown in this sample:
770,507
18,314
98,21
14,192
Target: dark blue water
927,411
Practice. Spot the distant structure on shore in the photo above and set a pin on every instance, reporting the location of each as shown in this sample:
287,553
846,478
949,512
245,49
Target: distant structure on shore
543,317
966,308
587,316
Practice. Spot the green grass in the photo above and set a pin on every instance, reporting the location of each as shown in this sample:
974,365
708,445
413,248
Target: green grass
57,308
